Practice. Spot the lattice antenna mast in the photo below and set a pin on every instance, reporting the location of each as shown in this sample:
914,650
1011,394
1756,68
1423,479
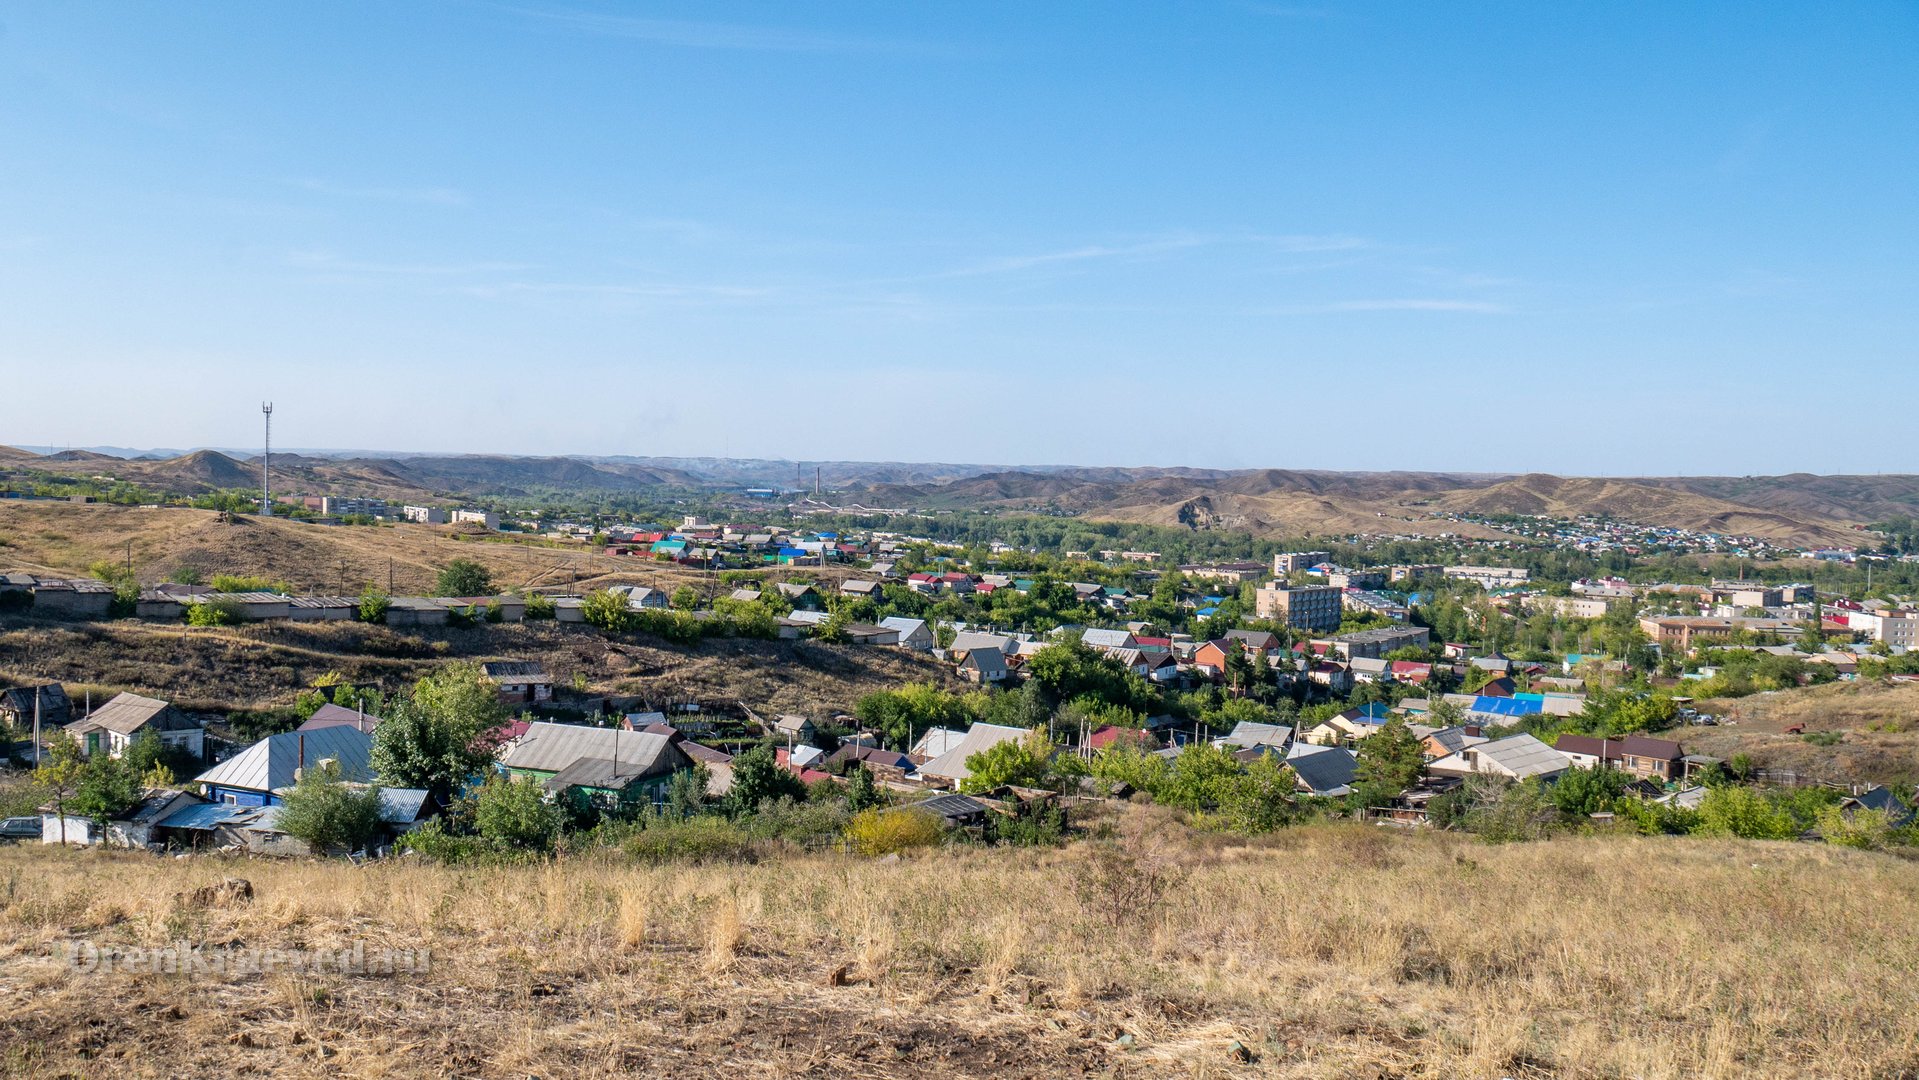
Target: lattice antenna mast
266,452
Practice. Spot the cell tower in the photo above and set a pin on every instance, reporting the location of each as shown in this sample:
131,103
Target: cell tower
266,452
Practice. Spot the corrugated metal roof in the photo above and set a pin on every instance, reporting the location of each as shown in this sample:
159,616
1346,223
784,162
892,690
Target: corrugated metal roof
204,816
952,764
269,764
129,713
552,747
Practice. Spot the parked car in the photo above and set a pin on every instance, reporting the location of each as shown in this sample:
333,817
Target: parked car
20,828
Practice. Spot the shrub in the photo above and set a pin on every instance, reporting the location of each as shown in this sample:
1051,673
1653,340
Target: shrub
373,605
247,583
1869,829
884,832
707,838
515,813
806,823
464,577
539,606
218,611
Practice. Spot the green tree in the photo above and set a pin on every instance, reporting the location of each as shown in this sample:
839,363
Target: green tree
515,813
157,763
1203,777
1264,797
1580,793
331,815
685,598
861,792
1390,760
540,606
374,603
441,736
686,791
757,777
607,610
464,577
903,715
59,773
1023,762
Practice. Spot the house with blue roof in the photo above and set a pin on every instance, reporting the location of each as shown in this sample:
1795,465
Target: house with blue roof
261,774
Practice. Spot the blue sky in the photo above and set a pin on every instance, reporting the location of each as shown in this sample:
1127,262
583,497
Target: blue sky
1583,238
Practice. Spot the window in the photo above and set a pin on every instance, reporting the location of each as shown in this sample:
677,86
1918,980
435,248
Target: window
230,799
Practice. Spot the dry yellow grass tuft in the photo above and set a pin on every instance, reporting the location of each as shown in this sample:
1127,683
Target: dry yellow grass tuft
1323,952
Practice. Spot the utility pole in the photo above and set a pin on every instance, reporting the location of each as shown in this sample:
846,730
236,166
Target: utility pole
36,727
266,452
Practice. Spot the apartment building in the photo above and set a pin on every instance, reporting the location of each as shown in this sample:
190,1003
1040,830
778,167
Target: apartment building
1683,632
1308,607
1292,562
1374,644
334,506
425,515
487,518
1490,577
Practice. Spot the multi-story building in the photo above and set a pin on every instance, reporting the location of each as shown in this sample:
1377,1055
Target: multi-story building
1490,577
425,515
1898,630
1233,573
1415,570
1292,562
1682,632
1308,607
487,518
335,506
1570,607
1356,579
1373,644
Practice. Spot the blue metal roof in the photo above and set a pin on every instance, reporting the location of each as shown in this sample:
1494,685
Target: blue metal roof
1501,706
204,816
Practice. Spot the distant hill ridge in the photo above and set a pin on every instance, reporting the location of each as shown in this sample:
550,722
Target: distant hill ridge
1799,508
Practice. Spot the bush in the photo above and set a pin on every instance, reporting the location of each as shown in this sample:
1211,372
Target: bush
515,813
707,838
464,577
436,840
808,823
539,606
218,611
247,583
885,832
373,606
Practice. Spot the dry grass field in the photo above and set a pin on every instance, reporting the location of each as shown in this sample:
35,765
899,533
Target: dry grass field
267,664
67,538
1877,723
1321,952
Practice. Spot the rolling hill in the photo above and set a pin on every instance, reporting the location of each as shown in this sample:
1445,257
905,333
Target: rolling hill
1799,509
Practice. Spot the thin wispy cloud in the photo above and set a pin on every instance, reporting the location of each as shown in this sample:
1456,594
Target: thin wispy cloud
439,196
633,290
1478,307
692,34
1158,246
327,262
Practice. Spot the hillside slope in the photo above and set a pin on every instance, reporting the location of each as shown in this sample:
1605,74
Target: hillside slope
66,538
1396,955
